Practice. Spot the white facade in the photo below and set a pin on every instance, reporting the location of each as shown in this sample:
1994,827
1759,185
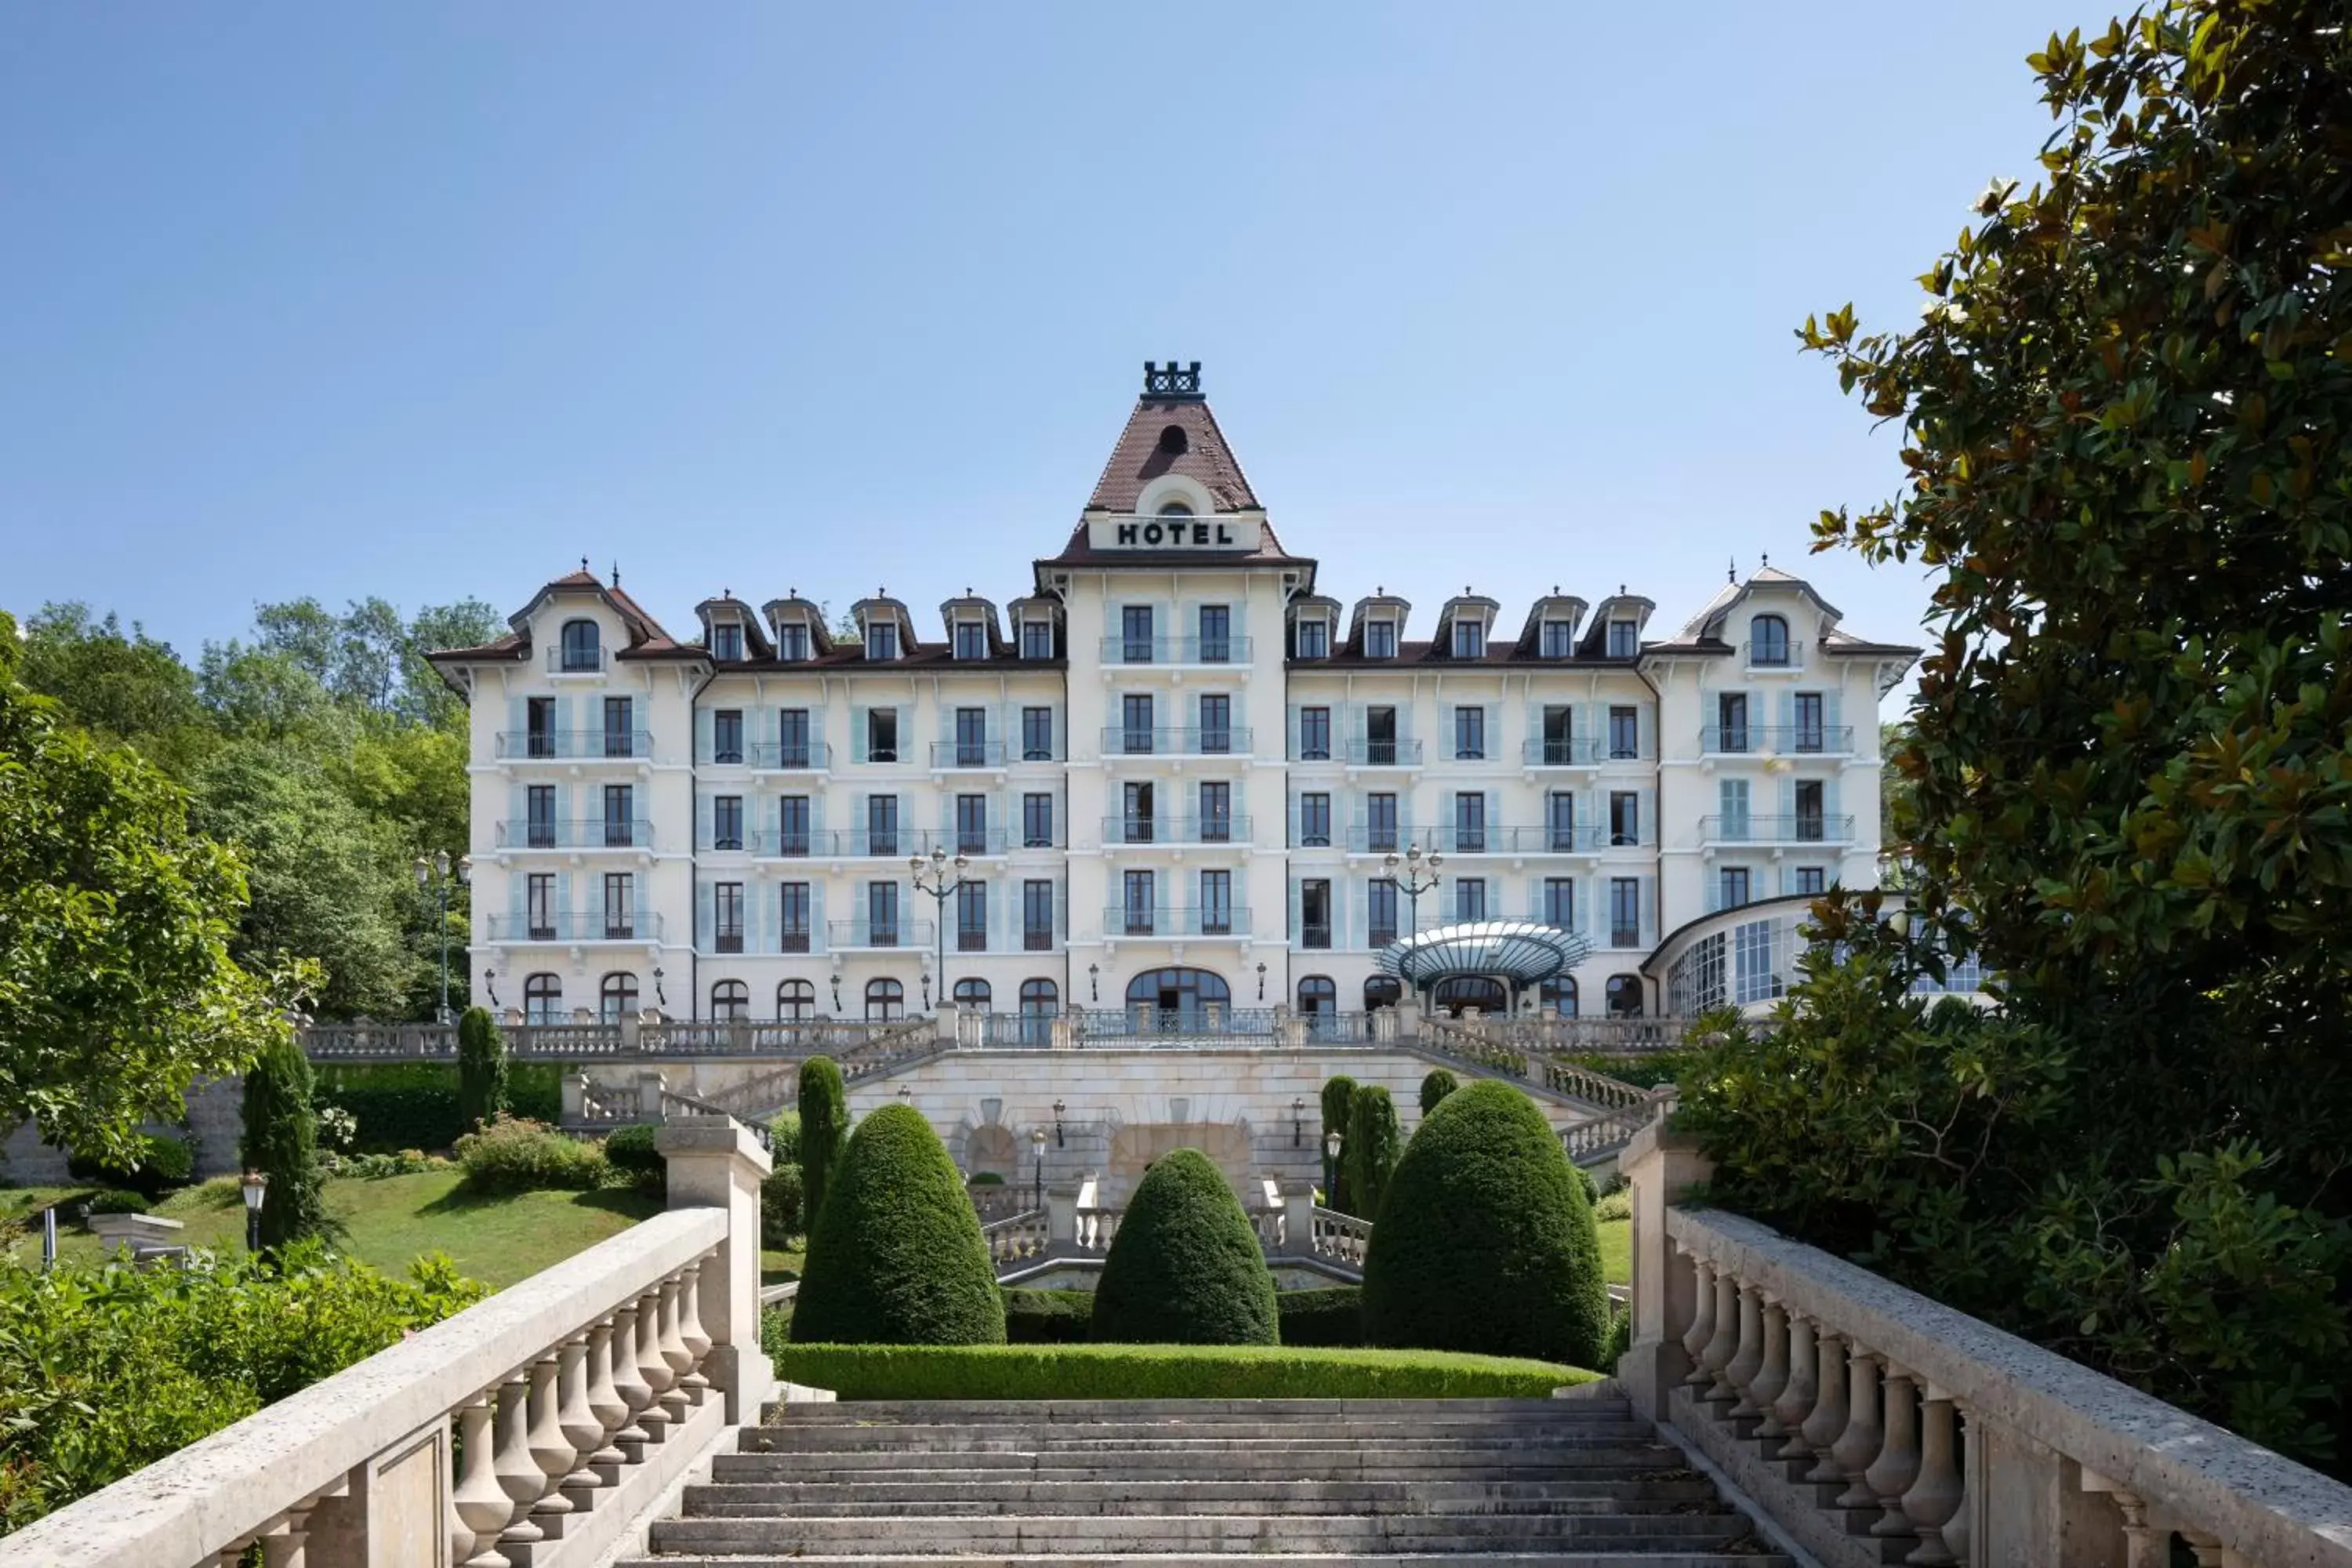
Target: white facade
1172,772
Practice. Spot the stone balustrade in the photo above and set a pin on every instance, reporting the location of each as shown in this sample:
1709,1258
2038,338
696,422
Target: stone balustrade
1341,1237
1873,1425
1016,1239
530,1431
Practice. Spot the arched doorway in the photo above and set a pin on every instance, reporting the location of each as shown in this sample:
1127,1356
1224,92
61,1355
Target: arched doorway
1559,997
974,993
1624,996
1458,994
1179,999
886,1001
1382,991
1041,1001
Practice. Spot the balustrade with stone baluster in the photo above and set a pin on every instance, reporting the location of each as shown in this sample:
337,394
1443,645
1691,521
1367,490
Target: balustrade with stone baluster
1016,1239
1873,1425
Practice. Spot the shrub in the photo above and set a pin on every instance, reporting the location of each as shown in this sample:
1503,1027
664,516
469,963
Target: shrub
1646,1070
630,1152
896,1255
824,1130
396,1116
1485,1241
481,1068
1332,1316
1165,1371
511,1155
986,1178
1338,1094
375,1167
1371,1152
1185,1269
116,1200
1437,1086
163,1164
784,1137
781,1217
282,1142
1048,1317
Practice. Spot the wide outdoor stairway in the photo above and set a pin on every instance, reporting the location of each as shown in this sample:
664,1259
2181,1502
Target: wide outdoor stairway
1576,1483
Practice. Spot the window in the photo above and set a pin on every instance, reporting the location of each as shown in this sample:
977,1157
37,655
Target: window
1470,735
792,738
727,642
727,822
1625,817
1037,734
1138,821
1768,640
731,1002
1135,633
1037,638
1314,734
971,737
1137,888
793,819
1624,734
792,643
1732,824
1379,639
727,735
1173,439
1216,724
1040,1001
1469,639
1037,821
792,917
882,639
1624,641
1812,828
1470,899
1315,913
972,824
974,993
1314,639
616,998
620,814
1382,991
1731,886
1135,724
539,906
1381,737
970,640
1625,911
1624,996
1812,881
1559,737
886,1001
539,733
1037,916
795,1001
1560,902
1559,996
1380,823
1811,736
1315,821
1559,639
1216,812
1318,996
1380,927
882,734
1216,903
1559,822
728,903
972,917
882,914
538,824
1731,722
620,737
1469,823
583,648
620,906
542,999
1216,634
882,825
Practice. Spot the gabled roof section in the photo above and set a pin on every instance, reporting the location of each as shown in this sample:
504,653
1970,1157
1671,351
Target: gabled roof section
1620,605
726,606
1171,431
646,637
791,607
1554,607
969,607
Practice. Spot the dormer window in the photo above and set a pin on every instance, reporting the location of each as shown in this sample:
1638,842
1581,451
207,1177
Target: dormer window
1314,639
1037,638
1559,639
1469,639
792,643
582,647
727,642
881,640
970,640
1379,639
1768,641
1175,508
1623,642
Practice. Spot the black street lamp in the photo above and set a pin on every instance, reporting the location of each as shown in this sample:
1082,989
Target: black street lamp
1037,1141
255,1189
940,890
1298,1120
1419,876
434,876
1332,1142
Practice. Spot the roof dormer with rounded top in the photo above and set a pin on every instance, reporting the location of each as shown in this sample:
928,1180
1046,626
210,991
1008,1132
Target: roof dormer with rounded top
1462,626
731,631
1549,631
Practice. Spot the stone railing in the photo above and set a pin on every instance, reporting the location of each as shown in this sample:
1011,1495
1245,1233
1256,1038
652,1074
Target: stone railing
575,1398
1873,1425
1016,1239
1072,1228
630,1038
1605,1135
1492,1048
1341,1237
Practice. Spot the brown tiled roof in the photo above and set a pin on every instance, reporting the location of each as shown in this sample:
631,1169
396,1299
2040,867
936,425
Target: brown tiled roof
1415,653
1141,458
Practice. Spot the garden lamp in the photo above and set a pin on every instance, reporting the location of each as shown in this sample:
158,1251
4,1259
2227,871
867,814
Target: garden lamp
256,1188
1037,1141
1298,1120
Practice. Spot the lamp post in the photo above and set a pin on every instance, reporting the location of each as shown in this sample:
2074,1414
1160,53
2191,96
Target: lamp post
434,876
1058,1109
1037,1143
940,890
1332,1142
1298,1120
256,1188
1419,876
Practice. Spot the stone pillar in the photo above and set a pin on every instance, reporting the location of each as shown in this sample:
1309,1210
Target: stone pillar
715,1162
1661,1167
1063,1037
630,1031
650,1084
1060,1218
1298,1218
946,1020
575,1094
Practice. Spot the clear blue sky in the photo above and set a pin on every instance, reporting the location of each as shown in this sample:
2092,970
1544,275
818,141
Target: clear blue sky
429,300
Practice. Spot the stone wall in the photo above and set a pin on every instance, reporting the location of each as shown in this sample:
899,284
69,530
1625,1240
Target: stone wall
215,1121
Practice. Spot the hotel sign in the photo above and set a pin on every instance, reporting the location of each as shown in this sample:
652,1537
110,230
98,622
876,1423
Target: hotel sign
1208,535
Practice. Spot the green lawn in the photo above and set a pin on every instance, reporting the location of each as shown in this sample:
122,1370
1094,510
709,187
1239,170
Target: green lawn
1617,1251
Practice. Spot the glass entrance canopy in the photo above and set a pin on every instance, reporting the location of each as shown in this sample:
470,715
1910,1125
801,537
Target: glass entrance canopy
1518,953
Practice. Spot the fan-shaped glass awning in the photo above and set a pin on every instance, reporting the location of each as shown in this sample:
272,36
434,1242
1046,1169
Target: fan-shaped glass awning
1519,952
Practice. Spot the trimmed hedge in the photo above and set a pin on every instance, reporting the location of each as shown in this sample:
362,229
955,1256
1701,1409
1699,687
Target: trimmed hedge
481,1070
1369,1156
780,1205
1338,1098
1048,1317
414,1105
895,1256
825,1133
631,1152
1165,1371
1185,1268
1330,1317
164,1162
1485,1241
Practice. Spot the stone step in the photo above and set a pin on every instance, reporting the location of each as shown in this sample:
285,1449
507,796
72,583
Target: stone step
928,1412
1126,1439
1635,1493
1505,1427
1237,1533
1330,1463
1615,1556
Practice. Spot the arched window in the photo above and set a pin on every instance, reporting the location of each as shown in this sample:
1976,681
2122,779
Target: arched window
972,994
886,1001
1625,997
1768,640
1382,991
1559,997
1177,999
1041,1000
731,1002
1316,993
542,999
1458,994
581,645
795,999
1176,508
616,998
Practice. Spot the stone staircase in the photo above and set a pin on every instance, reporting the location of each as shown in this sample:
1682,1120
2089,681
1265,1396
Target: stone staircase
1575,1483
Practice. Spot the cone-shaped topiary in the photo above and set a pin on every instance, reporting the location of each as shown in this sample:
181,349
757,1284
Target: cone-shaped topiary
1485,1241
1339,1092
1373,1140
1185,1269
481,1070
1437,1086
895,1256
825,1129
282,1142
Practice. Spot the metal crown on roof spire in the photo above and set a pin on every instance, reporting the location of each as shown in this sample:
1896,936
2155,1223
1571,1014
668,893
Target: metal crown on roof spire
1171,383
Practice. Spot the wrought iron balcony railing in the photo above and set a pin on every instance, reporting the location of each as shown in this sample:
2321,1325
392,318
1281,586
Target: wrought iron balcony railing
967,754
1773,655
1119,741
1175,830
574,745
578,926
789,756
865,843
1215,920
1389,753
1802,829
1796,740
1573,751
577,661
872,935
591,833
1176,651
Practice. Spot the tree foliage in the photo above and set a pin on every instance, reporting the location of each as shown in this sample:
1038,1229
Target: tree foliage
825,1132
1338,1099
481,1068
2129,783
1185,1268
1374,1139
282,1142
1436,1086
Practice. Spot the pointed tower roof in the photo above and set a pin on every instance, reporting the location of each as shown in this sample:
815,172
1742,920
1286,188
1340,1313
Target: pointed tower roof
1171,431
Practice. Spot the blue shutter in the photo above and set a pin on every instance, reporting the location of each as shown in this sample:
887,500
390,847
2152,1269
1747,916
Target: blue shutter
1829,717
702,735
705,922
1645,726
858,735
704,821
755,902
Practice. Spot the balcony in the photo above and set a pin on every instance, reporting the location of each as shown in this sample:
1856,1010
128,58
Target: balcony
789,756
1563,838
1798,829
574,745
878,936
1389,753
1119,920
1176,653
1773,655
869,843
577,661
1317,936
595,832
970,940
1569,751
1119,741
947,754
567,926
1757,740
1176,830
